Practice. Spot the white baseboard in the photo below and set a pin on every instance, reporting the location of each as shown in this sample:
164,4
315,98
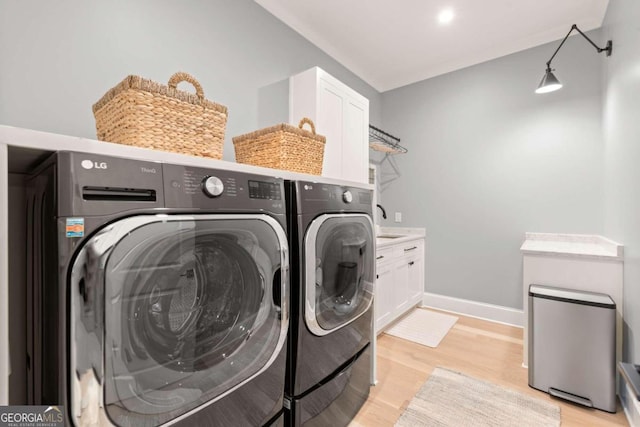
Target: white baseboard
480,310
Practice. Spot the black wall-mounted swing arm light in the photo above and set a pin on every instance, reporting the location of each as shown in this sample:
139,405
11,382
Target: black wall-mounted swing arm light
549,82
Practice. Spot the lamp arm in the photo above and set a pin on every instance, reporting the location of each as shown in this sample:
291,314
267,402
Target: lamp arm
575,27
599,49
561,43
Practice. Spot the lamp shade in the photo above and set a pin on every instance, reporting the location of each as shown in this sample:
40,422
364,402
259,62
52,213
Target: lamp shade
549,83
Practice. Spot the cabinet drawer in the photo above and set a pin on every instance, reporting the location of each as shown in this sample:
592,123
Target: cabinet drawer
385,254
411,248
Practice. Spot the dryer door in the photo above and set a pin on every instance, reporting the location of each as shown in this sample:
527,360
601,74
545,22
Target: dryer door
339,269
172,313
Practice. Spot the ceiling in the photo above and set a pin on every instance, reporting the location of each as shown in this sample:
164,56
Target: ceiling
394,43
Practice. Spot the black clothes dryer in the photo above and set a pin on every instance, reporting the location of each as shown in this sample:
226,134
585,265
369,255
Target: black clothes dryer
332,261
158,293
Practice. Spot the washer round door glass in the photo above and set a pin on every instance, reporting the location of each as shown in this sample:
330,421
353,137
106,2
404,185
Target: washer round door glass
339,270
192,309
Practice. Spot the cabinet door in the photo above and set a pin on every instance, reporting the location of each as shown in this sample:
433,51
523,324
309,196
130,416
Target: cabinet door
384,304
355,145
416,279
330,123
401,287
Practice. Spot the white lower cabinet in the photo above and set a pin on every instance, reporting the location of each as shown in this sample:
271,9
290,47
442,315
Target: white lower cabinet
399,281
415,268
384,295
401,286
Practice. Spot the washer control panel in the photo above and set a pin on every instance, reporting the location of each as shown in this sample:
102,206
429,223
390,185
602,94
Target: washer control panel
265,190
190,187
212,186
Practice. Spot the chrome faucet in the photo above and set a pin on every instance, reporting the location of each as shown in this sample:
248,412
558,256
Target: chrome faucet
384,213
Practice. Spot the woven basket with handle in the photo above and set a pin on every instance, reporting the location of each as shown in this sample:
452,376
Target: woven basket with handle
147,114
283,147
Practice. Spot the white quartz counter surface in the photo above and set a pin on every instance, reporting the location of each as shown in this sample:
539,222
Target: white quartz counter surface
395,235
572,245
30,147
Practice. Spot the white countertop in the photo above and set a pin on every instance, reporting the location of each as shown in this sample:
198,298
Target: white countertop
572,245
405,234
30,147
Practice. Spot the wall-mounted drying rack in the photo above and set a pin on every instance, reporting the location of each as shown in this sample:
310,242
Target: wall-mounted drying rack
380,140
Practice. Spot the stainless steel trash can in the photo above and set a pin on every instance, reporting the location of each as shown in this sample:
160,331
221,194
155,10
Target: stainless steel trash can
572,345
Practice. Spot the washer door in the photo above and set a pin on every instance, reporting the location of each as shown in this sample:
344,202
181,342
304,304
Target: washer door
173,312
339,271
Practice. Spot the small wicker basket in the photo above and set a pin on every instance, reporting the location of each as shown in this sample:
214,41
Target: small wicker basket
147,114
283,147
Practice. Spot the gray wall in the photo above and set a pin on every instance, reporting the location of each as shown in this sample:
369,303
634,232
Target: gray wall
57,58
621,124
489,160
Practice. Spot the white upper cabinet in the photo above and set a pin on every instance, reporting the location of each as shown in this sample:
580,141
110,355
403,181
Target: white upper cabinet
341,115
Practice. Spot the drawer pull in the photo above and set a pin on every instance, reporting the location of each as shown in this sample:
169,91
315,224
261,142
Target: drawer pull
410,249
380,257
412,262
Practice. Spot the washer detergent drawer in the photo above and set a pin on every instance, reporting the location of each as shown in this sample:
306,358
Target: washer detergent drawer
337,401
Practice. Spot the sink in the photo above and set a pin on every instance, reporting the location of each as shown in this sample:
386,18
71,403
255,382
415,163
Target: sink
389,236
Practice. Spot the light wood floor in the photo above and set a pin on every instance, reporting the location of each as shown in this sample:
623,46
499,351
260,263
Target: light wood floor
481,349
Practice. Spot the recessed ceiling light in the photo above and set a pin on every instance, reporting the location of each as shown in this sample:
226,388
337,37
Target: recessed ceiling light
445,16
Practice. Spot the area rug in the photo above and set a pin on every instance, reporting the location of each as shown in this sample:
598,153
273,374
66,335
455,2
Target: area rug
424,327
450,398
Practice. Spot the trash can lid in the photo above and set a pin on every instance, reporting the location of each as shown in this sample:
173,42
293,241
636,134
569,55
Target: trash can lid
572,295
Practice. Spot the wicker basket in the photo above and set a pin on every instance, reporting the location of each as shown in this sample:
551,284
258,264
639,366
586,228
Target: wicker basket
147,114
283,147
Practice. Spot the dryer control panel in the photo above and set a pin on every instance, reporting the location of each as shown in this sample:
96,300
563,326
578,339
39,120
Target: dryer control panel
316,197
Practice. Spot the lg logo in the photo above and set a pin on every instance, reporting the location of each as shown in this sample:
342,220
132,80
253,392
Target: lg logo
88,164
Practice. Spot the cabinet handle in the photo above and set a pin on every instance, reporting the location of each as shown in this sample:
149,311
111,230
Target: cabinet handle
380,257
377,276
412,262
410,249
